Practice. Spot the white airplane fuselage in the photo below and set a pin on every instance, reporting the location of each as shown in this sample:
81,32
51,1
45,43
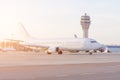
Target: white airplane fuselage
60,44
75,44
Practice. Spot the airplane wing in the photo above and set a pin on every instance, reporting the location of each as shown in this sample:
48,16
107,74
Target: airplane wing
33,45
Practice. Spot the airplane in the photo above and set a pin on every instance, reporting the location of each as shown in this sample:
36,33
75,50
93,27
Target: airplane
64,44
7,49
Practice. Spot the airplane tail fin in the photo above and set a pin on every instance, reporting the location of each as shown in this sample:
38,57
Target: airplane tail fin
23,32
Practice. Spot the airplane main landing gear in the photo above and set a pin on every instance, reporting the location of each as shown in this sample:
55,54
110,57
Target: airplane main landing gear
90,53
59,52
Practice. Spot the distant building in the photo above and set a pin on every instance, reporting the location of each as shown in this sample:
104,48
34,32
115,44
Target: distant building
85,22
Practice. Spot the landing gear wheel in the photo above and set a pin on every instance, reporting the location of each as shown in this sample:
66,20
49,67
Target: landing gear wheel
60,52
90,53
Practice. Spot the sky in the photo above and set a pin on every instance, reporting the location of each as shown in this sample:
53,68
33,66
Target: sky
61,18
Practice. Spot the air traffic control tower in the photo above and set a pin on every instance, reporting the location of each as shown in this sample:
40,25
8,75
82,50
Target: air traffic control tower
85,22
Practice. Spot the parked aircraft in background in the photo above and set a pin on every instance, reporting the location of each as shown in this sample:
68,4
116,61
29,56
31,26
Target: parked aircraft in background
7,49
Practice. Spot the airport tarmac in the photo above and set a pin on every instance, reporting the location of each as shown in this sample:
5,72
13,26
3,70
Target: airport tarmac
32,58
37,66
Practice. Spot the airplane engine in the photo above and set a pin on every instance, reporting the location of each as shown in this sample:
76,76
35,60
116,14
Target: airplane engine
53,50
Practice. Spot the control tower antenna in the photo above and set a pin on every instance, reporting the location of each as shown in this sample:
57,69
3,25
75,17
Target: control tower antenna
85,23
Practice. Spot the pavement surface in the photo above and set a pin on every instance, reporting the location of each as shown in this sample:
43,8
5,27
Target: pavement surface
38,66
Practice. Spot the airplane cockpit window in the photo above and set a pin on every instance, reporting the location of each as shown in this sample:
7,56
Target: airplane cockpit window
93,41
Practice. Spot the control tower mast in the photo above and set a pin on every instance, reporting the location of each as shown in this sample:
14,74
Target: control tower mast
85,22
